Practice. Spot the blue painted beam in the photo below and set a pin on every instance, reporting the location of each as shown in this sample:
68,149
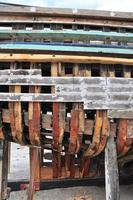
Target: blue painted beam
23,47
67,35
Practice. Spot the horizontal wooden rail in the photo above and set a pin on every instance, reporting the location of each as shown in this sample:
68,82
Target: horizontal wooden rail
21,47
67,35
35,11
63,58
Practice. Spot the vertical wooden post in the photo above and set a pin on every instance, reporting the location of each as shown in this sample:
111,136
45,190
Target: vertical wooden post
34,172
111,170
4,154
9,157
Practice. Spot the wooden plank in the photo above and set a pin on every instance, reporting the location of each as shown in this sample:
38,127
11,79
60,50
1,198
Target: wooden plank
122,135
111,170
93,147
85,162
36,11
63,58
34,137
20,72
124,114
62,81
104,134
62,123
104,129
74,142
4,157
18,117
34,172
95,92
122,145
73,139
28,20
39,48
11,106
58,125
34,117
56,132
61,35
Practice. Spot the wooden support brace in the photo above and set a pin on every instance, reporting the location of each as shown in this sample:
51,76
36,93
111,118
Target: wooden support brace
34,117
93,148
111,170
34,172
4,156
104,134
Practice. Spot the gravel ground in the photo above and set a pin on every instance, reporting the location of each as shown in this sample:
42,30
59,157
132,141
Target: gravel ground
19,169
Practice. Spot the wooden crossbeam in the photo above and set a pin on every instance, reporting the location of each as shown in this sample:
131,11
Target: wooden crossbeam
63,58
55,12
39,48
20,72
67,35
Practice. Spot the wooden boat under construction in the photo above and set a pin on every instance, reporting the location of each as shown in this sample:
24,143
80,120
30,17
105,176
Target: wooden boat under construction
66,92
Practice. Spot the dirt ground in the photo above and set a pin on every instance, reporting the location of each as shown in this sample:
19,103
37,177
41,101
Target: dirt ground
19,169
76,193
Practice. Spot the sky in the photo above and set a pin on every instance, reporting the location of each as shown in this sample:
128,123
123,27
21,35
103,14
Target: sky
113,5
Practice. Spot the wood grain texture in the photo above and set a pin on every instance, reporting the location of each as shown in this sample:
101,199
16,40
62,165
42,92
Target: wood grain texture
95,92
111,171
63,58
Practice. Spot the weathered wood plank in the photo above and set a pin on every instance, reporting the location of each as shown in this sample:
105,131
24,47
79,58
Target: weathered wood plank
4,193
56,129
111,170
58,81
125,114
65,20
34,115
34,172
95,92
130,129
39,48
20,72
63,34
55,12
94,146
63,58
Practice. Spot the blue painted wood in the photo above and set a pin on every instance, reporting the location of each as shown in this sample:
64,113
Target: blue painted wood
68,34
56,48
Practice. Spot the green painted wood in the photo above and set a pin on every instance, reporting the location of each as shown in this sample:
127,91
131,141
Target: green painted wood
50,48
67,34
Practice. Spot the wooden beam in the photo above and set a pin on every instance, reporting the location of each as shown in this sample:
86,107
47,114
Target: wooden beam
20,72
61,35
78,50
29,20
55,12
63,58
34,184
111,170
4,156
